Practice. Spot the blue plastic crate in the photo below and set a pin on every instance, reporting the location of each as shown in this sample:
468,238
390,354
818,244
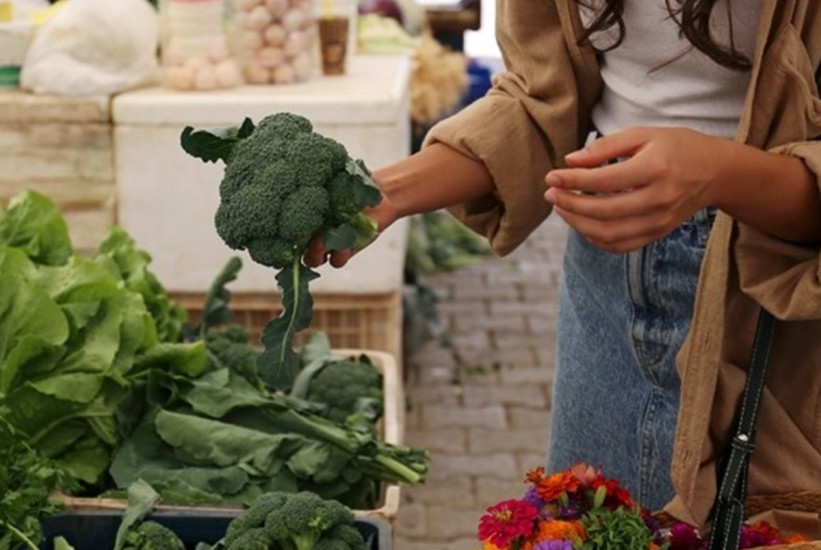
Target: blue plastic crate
97,529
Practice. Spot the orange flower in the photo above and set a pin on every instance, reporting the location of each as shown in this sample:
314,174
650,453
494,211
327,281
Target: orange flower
551,487
556,529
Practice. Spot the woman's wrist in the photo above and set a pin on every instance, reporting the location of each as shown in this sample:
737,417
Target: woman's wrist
775,193
434,178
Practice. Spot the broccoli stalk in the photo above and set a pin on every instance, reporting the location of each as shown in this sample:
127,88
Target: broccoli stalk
283,185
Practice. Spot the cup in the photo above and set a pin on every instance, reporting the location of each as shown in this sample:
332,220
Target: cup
333,43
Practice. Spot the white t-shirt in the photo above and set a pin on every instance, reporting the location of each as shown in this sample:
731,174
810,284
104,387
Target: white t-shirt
643,87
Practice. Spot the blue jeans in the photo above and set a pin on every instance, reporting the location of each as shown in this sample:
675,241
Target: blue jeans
622,319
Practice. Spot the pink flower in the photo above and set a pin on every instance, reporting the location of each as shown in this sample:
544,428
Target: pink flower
504,522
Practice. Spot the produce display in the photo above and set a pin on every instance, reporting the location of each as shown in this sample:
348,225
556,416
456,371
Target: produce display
275,40
104,381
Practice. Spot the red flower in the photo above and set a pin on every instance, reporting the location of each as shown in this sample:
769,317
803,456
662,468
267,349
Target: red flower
616,495
502,523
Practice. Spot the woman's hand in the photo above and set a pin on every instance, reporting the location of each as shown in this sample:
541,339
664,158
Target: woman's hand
667,175
383,214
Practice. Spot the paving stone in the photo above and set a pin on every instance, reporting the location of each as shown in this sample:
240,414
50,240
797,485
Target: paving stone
437,417
411,520
479,396
528,461
451,440
439,394
483,441
499,465
516,375
489,491
527,417
455,490
448,523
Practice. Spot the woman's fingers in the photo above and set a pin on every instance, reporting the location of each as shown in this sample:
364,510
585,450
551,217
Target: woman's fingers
316,255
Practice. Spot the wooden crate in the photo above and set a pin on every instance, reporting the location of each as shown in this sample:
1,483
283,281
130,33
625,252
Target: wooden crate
362,321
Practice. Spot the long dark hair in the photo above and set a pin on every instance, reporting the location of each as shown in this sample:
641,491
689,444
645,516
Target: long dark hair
693,19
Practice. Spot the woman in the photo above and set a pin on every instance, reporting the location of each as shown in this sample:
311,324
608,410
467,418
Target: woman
699,106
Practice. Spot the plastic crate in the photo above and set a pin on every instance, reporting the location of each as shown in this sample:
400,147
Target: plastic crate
390,427
362,321
97,529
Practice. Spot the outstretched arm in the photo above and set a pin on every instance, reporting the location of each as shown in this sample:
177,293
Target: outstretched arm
434,178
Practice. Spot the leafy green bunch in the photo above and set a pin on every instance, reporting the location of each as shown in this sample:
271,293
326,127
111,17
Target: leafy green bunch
75,331
283,186
26,480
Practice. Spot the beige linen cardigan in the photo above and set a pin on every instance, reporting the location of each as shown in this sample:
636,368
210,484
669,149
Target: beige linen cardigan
539,109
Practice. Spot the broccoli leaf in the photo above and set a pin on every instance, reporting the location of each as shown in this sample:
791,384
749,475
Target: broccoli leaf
217,144
279,364
141,500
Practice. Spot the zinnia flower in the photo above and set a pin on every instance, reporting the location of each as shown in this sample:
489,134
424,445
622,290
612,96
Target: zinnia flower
616,494
502,523
684,537
585,473
556,529
551,487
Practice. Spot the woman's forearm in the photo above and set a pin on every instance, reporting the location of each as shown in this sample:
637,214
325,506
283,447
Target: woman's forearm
777,194
434,178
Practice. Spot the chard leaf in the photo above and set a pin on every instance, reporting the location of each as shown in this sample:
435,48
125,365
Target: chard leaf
278,365
215,144
205,442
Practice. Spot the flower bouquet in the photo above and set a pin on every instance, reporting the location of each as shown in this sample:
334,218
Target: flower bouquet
580,508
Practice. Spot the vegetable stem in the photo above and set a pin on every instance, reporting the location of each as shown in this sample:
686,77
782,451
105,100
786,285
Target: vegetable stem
20,535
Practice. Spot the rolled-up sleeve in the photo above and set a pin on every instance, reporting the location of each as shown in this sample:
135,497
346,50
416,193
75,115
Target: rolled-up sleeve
523,127
783,277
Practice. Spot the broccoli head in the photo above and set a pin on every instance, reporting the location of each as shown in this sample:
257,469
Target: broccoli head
347,387
285,183
303,519
341,537
231,348
150,535
293,521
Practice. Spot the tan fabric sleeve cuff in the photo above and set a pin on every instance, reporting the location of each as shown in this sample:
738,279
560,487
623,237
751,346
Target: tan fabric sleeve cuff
783,277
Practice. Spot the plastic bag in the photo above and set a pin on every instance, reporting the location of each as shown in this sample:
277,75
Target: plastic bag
94,47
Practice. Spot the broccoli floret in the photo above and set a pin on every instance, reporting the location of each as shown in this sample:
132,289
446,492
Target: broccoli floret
230,348
341,537
303,519
347,387
150,535
276,190
254,516
252,539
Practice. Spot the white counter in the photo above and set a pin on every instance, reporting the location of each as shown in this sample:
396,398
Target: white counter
167,199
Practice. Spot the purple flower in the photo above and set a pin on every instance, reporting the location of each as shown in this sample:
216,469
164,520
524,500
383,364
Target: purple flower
554,545
532,496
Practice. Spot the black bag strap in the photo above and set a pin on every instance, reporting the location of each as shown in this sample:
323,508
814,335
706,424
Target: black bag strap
728,509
